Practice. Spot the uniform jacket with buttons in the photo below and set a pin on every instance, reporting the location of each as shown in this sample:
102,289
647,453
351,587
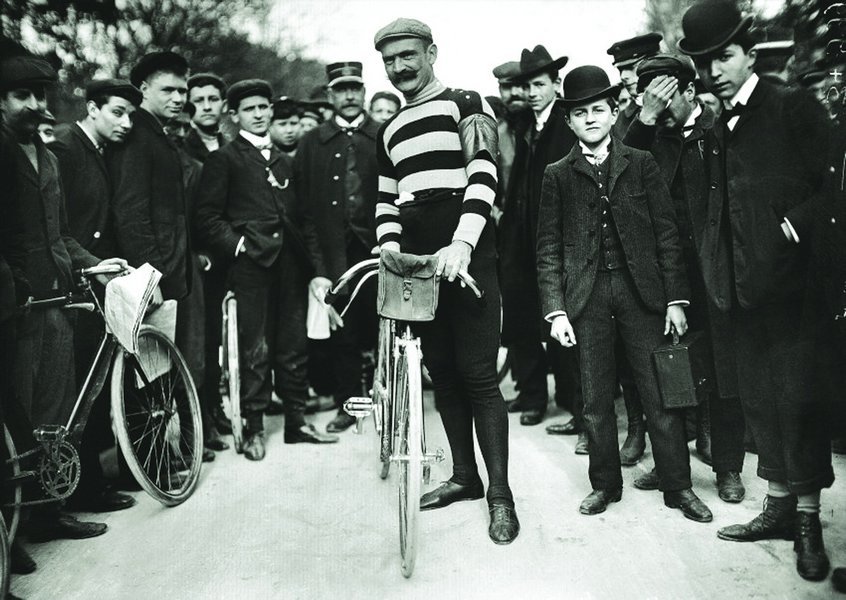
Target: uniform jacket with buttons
569,238
50,252
149,203
236,197
768,168
88,190
320,167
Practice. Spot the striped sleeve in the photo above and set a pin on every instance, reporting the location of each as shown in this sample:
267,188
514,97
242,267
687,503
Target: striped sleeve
388,227
479,143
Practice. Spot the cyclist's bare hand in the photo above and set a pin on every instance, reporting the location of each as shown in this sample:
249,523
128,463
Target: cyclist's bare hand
562,330
105,278
452,259
318,287
335,320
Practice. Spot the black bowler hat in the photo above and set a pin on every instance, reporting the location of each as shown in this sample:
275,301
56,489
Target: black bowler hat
25,70
113,87
204,79
245,89
679,67
344,72
588,83
157,62
537,61
711,25
507,72
285,108
630,51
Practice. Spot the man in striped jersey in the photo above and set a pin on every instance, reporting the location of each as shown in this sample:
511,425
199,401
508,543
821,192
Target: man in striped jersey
437,182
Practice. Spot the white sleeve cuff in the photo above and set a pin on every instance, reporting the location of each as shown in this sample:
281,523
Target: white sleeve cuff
241,247
556,313
393,246
679,303
793,233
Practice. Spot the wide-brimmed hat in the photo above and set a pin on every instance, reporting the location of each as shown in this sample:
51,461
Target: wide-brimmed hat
588,83
537,61
710,26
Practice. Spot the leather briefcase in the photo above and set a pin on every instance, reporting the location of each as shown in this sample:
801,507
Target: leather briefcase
408,286
682,368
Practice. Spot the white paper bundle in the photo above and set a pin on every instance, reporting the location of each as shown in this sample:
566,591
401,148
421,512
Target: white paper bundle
127,298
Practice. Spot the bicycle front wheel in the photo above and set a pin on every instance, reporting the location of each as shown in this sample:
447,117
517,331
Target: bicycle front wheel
12,487
232,370
410,445
157,417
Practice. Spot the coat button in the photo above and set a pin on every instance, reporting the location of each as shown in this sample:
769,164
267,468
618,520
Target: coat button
96,235
276,234
337,155
715,151
713,186
833,220
832,169
334,203
335,178
604,198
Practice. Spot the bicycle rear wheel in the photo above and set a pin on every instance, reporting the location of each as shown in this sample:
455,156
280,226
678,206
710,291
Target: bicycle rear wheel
5,554
157,417
382,395
409,400
232,369
12,486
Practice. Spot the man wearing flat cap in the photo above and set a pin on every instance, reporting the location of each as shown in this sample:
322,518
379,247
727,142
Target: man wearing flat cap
672,125
514,98
45,381
766,160
542,137
88,200
248,212
437,183
207,93
627,55
336,175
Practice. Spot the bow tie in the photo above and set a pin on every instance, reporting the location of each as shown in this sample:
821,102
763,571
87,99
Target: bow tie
265,147
349,129
729,114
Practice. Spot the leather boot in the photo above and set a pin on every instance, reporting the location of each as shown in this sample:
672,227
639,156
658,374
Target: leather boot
635,444
703,433
838,579
811,559
777,521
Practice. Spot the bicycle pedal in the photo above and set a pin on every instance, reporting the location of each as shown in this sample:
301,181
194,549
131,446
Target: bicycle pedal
50,433
435,457
358,406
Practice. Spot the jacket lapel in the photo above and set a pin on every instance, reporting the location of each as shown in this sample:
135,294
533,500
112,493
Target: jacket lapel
757,97
90,148
618,161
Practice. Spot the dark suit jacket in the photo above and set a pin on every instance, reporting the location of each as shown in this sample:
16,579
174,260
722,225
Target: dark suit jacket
319,171
88,190
51,253
767,169
196,149
13,285
235,198
569,236
149,203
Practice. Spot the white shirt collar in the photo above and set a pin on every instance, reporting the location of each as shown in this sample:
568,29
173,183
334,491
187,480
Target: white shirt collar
744,93
543,117
344,124
254,139
599,155
694,114
87,133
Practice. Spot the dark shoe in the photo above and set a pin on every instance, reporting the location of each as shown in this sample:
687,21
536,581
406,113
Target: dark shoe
63,527
106,500
568,428
449,492
838,579
838,445
516,405
703,450
531,417
598,500
811,559
307,434
635,444
208,455
216,444
253,447
730,487
648,481
776,522
341,422
582,446
504,525
274,409
20,562
691,506
221,421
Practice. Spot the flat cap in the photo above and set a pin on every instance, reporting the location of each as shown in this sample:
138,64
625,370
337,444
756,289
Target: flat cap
344,72
311,109
204,79
113,87
246,88
679,67
627,52
401,28
25,70
157,62
506,72
285,108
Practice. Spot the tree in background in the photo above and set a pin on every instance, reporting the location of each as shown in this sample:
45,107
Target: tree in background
89,38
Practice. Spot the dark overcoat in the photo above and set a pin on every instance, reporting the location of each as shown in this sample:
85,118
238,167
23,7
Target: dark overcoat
88,190
570,222
196,149
149,203
319,171
774,164
235,197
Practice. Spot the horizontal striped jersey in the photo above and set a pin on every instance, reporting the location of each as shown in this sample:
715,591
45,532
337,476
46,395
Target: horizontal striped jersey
447,141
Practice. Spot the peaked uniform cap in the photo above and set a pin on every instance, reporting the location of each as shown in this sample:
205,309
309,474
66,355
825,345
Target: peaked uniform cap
344,72
630,51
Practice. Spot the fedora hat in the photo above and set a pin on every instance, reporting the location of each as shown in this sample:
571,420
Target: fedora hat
711,25
587,83
537,61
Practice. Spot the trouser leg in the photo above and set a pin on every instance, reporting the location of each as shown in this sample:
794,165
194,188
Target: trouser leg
727,428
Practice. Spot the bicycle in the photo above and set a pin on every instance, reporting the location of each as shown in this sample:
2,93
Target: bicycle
231,371
396,402
155,411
